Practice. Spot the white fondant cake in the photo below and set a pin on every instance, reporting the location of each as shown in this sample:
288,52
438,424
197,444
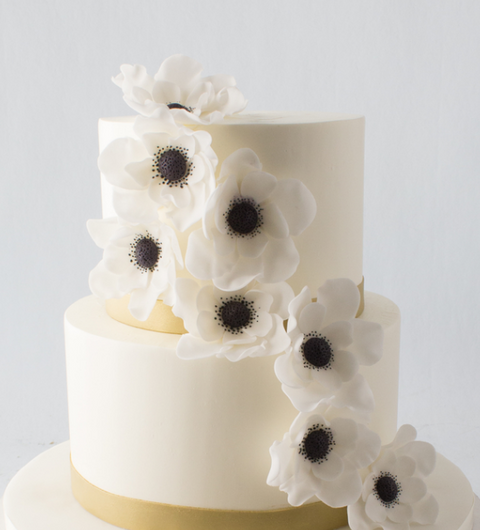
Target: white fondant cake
231,372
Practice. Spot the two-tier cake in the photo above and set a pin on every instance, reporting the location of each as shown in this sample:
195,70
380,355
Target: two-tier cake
230,371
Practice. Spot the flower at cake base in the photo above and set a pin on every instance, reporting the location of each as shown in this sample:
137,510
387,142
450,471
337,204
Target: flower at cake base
235,324
394,493
322,457
247,226
178,86
328,345
139,260
167,166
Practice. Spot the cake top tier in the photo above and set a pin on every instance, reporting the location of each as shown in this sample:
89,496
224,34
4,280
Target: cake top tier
324,151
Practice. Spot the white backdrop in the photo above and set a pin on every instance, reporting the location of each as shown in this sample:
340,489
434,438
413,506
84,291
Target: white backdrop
411,66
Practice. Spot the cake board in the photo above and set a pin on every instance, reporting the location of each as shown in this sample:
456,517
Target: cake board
39,497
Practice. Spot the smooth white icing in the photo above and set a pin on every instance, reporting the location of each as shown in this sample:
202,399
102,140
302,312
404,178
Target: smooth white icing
324,151
148,425
40,497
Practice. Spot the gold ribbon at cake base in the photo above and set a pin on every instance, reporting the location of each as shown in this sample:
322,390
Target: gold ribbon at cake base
135,514
163,320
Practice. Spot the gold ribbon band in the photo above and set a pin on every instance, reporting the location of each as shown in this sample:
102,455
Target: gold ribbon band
135,514
163,320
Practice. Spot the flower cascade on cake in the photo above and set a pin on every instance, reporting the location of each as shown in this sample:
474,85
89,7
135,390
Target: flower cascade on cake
167,169
328,344
248,226
394,494
179,86
140,260
322,456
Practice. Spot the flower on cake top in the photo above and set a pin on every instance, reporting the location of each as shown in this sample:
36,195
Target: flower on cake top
321,456
394,494
139,260
235,324
178,86
167,166
248,224
328,345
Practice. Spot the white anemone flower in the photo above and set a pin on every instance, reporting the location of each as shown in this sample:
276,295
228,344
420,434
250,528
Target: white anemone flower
166,166
321,456
328,346
234,324
394,494
248,226
139,260
178,85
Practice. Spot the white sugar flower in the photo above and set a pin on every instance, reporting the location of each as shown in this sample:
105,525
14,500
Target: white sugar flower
247,226
328,345
394,494
234,324
167,166
139,260
178,86
322,457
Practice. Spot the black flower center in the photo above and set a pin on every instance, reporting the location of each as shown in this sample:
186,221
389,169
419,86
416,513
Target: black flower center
179,106
317,351
172,165
235,314
317,444
387,489
243,217
145,252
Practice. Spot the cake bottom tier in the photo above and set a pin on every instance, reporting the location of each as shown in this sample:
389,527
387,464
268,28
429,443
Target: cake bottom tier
40,498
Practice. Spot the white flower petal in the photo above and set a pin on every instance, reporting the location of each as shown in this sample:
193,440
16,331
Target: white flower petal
116,156
375,509
301,492
413,489
134,206
330,469
285,372
345,433
238,273
141,172
258,185
186,291
180,70
155,141
190,347
239,163
116,259
159,122
166,92
341,298
338,333
400,513
219,204
142,302
367,341
304,399
426,511
101,230
295,308
406,433
281,468
277,340
261,326
280,260
274,224
198,259
296,203
345,364
261,299
424,455
404,467
252,247
311,318
343,491
209,329
357,396
282,295
224,244
367,448
181,197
